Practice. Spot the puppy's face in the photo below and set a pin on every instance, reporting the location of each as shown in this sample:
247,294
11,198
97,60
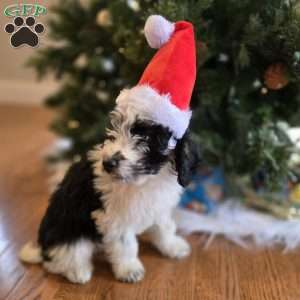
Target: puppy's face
135,148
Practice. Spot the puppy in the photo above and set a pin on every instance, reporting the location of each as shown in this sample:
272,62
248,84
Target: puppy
131,182
122,188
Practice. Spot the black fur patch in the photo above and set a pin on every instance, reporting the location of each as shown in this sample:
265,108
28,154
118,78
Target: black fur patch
68,217
156,138
187,159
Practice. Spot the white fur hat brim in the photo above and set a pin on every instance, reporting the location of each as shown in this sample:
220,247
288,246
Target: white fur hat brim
144,101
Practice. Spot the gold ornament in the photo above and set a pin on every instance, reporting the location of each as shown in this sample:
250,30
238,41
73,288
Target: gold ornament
81,61
276,76
73,124
104,18
295,194
264,91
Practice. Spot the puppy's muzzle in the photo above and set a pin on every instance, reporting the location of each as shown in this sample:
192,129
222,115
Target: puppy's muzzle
112,163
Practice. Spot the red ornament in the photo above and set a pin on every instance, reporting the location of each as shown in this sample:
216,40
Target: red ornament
276,76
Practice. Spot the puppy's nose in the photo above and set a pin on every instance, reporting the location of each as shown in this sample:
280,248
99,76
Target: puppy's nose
110,164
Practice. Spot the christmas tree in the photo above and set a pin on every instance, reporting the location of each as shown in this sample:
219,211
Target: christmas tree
247,91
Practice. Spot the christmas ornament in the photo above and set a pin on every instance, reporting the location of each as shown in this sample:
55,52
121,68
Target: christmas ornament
134,5
294,135
164,91
295,194
264,91
224,58
108,65
73,124
81,61
297,56
276,76
104,18
102,96
257,84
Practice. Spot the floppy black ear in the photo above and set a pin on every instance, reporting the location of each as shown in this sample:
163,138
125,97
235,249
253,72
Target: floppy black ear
187,159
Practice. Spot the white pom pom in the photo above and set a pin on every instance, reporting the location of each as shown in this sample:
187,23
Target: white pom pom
158,31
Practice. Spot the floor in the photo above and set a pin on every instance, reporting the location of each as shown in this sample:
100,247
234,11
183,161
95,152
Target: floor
223,272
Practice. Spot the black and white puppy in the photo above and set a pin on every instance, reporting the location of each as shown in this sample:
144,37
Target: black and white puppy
122,188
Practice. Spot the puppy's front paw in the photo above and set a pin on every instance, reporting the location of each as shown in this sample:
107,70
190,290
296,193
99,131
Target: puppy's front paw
131,272
79,275
177,248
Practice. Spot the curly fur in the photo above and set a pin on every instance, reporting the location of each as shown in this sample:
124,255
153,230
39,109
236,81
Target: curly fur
123,187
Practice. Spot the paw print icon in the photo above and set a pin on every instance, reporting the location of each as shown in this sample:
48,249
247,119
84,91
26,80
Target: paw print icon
24,31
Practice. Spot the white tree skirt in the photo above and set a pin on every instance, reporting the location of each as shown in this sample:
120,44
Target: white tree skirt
237,223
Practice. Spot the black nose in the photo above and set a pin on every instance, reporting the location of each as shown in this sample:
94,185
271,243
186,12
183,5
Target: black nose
110,164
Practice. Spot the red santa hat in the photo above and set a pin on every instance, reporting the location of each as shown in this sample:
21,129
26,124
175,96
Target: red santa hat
164,91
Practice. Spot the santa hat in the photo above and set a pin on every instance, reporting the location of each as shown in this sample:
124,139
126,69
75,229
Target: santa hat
164,91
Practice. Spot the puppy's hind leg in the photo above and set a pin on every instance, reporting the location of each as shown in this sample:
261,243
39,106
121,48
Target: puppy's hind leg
74,260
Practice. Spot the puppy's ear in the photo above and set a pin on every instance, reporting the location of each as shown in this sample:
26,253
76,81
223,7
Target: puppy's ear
187,159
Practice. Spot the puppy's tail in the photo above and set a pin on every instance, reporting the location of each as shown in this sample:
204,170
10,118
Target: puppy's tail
31,254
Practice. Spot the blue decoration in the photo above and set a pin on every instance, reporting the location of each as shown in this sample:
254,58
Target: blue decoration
205,191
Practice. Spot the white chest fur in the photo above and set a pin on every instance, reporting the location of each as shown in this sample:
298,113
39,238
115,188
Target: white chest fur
136,207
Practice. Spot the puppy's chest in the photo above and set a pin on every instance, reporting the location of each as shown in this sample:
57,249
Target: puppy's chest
139,207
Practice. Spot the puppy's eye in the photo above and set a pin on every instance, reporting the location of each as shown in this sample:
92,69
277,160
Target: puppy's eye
139,129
